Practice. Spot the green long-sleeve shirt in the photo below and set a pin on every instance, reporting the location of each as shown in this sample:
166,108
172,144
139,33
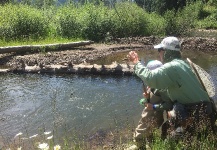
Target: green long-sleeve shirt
177,78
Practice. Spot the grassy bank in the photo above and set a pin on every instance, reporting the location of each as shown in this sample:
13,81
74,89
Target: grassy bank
22,24
114,139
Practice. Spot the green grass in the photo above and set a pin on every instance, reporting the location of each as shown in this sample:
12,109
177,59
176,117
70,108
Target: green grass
118,140
26,24
48,40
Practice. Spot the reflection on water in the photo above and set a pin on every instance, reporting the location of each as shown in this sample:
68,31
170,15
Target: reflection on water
32,102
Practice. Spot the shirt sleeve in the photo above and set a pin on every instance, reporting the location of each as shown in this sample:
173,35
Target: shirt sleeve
157,78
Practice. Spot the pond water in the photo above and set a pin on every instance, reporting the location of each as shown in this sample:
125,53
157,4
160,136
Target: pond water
34,103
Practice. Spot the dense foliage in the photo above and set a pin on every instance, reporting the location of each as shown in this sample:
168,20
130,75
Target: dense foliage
95,20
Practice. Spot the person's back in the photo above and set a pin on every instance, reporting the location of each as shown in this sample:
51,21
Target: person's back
176,76
185,87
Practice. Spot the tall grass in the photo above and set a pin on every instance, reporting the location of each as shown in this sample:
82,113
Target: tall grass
179,23
156,25
22,22
97,21
208,18
68,22
118,139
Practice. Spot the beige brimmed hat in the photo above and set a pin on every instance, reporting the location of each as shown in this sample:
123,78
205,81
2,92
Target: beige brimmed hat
171,43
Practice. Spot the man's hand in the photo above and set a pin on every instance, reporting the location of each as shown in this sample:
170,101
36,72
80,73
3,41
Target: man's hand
133,57
146,93
149,106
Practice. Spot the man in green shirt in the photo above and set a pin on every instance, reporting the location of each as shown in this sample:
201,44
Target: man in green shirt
175,76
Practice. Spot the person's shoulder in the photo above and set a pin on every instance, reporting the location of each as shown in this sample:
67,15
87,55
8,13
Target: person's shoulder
169,64
175,62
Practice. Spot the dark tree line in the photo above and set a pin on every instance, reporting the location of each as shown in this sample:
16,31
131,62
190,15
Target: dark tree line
4,1
159,6
162,6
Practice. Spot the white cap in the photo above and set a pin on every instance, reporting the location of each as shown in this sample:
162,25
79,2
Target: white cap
171,43
153,64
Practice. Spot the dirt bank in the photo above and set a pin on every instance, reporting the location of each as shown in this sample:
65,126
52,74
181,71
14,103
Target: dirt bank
91,52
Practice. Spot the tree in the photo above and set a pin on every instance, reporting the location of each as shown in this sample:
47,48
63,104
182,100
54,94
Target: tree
161,6
4,1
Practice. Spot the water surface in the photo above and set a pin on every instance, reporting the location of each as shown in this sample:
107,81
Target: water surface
34,103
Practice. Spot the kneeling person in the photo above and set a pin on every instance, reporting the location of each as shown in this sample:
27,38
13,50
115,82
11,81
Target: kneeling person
155,102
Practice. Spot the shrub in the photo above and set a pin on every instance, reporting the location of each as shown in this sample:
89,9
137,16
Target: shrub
156,25
97,21
208,23
68,23
181,22
22,22
207,18
129,20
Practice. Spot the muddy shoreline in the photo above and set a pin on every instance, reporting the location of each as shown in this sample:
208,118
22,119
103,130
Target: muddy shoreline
75,60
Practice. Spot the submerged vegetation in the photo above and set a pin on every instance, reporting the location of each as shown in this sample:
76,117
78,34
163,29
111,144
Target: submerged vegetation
25,21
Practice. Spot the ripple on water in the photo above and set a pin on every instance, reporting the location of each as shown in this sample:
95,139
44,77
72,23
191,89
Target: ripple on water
32,102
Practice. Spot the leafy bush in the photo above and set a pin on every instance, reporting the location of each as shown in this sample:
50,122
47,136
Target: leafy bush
129,20
207,18
22,22
171,25
97,21
156,25
181,22
208,23
68,24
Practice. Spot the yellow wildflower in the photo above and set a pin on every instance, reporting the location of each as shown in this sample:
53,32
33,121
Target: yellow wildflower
57,147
